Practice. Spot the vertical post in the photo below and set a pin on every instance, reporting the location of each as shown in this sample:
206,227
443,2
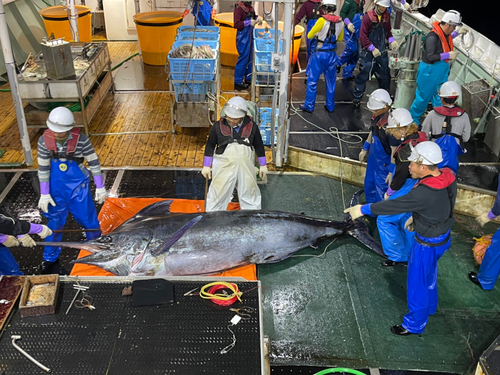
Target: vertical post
288,26
73,20
11,73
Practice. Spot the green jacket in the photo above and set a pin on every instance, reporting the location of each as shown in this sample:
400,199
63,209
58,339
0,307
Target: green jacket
350,8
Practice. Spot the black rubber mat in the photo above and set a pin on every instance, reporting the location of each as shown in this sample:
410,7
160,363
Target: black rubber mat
183,338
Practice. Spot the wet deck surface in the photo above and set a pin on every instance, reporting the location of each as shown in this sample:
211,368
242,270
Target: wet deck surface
335,310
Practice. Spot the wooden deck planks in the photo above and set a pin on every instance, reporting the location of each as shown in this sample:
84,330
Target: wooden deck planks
122,111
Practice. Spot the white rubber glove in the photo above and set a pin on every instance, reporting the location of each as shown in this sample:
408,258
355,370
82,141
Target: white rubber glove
409,224
463,30
100,195
45,232
259,21
394,46
406,6
453,55
44,201
351,28
263,174
354,211
483,219
376,53
11,241
388,179
363,155
386,196
27,241
253,22
207,173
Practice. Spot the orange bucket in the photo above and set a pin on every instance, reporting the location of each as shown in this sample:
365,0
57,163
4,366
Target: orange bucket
56,22
156,32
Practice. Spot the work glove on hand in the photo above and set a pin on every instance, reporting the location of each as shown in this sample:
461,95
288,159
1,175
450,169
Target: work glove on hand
11,241
213,13
44,201
386,196
186,12
206,172
351,28
409,224
394,46
354,211
263,174
100,195
453,55
483,219
463,30
388,179
26,241
363,155
45,232
376,53
406,6
253,22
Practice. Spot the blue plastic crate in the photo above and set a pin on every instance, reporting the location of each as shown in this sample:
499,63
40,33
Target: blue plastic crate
192,92
197,69
188,36
265,125
264,48
215,29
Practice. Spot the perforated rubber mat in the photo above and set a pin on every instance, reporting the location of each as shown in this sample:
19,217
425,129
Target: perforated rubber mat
182,338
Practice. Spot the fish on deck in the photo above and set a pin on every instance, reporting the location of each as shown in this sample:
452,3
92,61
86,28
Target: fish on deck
157,242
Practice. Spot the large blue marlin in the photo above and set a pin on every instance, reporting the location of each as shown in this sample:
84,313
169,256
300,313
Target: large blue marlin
156,242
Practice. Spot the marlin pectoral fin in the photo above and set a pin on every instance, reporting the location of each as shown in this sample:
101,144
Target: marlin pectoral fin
360,232
93,248
110,260
168,244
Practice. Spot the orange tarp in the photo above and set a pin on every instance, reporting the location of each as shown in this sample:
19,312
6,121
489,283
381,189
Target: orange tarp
115,211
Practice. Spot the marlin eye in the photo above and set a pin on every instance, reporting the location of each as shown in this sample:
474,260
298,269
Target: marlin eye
105,239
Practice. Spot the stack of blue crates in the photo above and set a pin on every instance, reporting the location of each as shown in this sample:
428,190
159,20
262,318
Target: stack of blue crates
264,44
202,71
265,125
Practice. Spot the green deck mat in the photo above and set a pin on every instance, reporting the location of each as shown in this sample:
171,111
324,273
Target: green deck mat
337,311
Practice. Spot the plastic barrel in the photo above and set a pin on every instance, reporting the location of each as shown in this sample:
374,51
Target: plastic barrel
228,51
56,21
156,32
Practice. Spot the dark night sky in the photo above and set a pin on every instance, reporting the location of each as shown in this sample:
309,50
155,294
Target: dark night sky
482,17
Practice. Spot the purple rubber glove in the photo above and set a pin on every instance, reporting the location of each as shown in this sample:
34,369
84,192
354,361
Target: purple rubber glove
491,215
262,161
207,161
99,181
445,56
44,188
371,47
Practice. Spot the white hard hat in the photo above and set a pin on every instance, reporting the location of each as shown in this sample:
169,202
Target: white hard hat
427,153
452,17
450,89
398,118
384,3
379,99
329,2
236,107
60,120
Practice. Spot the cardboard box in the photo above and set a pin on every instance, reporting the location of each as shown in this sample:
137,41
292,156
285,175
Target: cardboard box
39,296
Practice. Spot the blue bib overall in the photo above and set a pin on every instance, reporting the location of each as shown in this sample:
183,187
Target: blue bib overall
69,188
204,13
244,45
351,51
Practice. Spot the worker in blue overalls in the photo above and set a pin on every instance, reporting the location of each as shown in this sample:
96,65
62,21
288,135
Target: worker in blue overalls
245,19
15,232
324,58
490,266
352,14
64,182
202,10
375,33
377,147
448,125
396,240
311,9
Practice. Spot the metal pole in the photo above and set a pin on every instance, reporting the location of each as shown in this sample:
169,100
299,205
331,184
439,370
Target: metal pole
16,98
288,26
73,21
